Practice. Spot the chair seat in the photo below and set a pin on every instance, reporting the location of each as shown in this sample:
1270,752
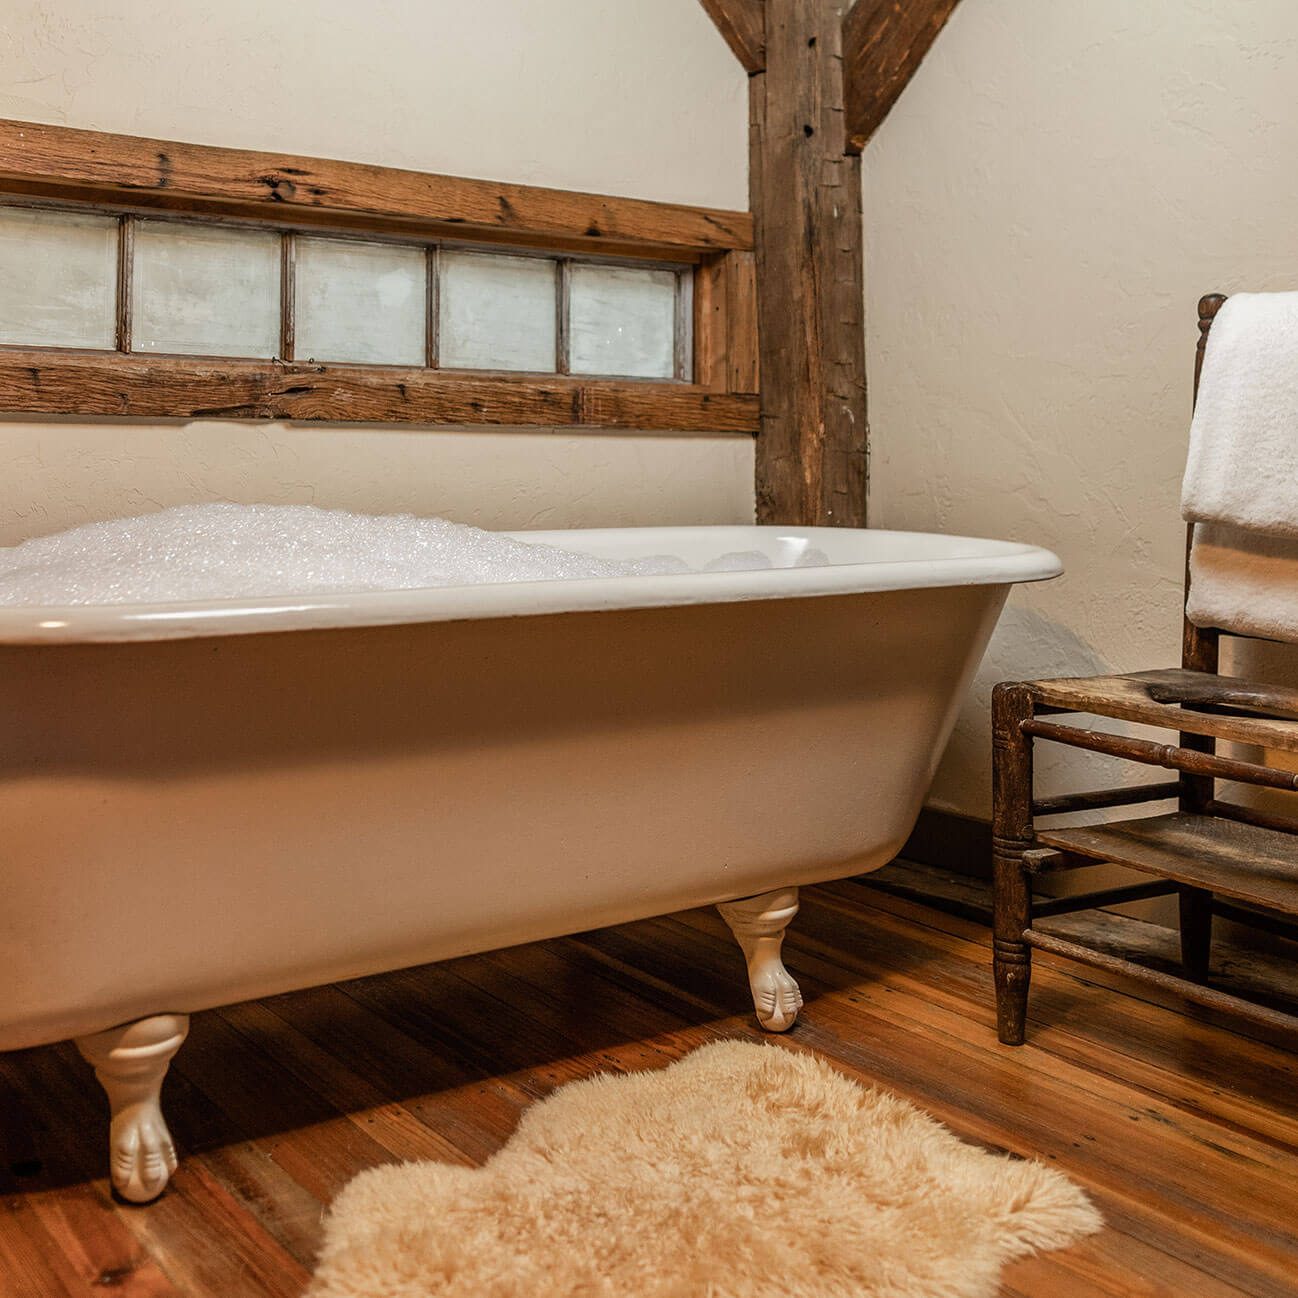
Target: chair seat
1247,862
1200,703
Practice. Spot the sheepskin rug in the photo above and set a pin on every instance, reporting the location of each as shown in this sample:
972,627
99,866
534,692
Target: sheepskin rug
741,1171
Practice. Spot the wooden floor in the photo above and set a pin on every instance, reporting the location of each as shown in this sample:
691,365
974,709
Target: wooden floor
1184,1129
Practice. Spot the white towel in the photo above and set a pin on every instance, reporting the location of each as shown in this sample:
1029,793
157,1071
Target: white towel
1243,463
1245,582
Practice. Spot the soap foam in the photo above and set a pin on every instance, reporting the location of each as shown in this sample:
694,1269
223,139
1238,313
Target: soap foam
226,551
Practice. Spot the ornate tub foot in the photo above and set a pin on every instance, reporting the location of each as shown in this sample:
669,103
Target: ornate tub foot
758,924
130,1062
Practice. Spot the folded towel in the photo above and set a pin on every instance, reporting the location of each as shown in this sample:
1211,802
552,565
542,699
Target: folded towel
1243,581
1243,463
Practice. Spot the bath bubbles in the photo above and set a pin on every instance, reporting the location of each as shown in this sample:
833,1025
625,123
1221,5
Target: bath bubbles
226,551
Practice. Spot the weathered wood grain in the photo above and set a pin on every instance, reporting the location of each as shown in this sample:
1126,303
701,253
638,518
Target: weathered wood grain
884,42
725,324
1146,697
806,200
83,383
1243,861
58,161
742,23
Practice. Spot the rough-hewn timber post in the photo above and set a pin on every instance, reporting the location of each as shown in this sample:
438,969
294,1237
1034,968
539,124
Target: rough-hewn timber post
805,193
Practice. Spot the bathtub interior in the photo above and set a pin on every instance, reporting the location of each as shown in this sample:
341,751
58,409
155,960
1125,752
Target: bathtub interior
803,562
782,547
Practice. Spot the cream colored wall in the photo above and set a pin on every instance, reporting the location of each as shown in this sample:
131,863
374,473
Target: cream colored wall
1043,208
637,97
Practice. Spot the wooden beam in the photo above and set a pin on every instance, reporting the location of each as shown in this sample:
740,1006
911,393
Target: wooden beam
138,173
742,23
153,387
884,42
806,199
725,323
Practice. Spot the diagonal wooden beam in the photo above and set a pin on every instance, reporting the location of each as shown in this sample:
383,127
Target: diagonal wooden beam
742,23
884,42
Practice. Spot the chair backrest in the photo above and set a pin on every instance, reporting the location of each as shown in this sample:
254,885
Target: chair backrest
1200,646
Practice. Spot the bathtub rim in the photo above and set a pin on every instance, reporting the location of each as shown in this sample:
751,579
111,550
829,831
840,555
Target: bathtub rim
968,561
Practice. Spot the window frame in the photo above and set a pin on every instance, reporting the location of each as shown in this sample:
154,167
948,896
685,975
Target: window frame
714,385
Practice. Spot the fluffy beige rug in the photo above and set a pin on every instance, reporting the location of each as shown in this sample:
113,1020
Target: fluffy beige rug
742,1171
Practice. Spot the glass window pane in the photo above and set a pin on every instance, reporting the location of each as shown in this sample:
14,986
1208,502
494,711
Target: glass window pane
497,313
58,278
622,320
205,290
363,302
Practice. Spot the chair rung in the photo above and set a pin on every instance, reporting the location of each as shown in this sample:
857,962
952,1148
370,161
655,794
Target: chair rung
1104,897
1196,992
1169,755
1097,799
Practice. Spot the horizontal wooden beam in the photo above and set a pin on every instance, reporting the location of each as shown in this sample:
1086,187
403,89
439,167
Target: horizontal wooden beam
163,175
742,24
153,387
884,42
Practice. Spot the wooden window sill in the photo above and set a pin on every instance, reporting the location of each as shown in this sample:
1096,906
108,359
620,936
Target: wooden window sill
44,381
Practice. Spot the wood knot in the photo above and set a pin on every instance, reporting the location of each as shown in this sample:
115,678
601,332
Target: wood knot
281,189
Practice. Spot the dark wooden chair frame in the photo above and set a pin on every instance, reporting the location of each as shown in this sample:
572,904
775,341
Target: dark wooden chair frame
1219,857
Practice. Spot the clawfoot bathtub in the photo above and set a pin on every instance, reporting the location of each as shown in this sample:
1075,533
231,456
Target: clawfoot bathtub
203,803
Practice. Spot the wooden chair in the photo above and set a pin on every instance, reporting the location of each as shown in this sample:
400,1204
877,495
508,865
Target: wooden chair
1220,857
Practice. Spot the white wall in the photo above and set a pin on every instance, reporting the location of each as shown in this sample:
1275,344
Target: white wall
632,97
1043,208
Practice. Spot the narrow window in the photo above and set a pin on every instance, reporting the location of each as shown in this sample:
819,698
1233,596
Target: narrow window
622,321
364,303
497,312
205,290
58,278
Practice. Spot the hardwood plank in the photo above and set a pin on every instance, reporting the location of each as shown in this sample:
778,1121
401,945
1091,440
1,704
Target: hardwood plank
987,1095
463,1105
805,194
142,386
307,1137
386,1122
884,42
1101,1266
1183,1128
1116,1026
32,1263
57,161
195,1235
742,24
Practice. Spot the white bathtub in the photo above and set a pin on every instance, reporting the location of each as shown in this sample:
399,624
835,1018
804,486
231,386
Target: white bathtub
206,803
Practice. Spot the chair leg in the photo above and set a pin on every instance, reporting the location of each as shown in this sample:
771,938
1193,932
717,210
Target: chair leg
1196,931
1011,837
1011,956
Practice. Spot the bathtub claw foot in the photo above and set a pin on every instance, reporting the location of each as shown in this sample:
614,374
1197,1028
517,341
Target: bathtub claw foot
758,924
130,1062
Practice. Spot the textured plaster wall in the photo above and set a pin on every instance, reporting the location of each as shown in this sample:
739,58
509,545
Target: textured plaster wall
634,97
1043,208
